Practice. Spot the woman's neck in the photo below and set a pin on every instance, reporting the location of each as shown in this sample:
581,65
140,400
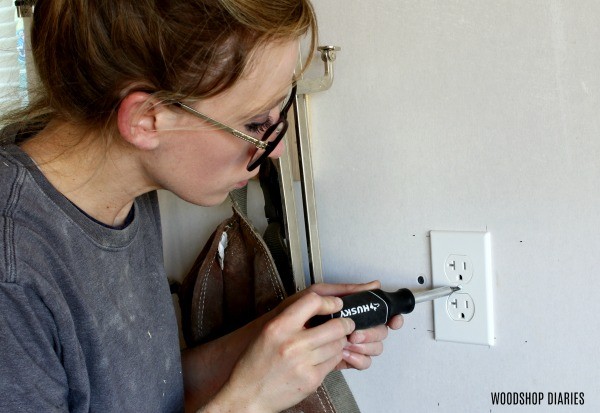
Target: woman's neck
101,178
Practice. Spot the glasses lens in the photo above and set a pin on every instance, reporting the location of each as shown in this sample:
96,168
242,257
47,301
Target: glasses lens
275,133
272,136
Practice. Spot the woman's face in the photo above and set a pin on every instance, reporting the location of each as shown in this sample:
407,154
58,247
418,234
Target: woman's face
202,164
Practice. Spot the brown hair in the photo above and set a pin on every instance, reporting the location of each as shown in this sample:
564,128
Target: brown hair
90,54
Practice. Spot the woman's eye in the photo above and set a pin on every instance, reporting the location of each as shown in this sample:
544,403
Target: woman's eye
259,128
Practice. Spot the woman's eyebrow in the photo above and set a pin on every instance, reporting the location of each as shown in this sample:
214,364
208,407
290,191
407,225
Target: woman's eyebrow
256,112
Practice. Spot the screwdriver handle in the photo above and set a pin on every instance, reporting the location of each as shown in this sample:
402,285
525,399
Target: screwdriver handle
375,307
371,308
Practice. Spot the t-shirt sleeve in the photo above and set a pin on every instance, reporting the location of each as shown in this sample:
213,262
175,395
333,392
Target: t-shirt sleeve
32,378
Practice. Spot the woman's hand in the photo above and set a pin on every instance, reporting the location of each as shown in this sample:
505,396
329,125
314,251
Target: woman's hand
362,344
287,361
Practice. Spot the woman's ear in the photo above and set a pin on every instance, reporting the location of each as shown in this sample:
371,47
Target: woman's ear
136,119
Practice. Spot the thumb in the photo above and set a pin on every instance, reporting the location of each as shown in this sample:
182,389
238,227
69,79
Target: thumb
309,305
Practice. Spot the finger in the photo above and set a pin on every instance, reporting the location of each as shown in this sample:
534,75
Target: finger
326,352
343,289
396,322
332,330
356,361
324,289
329,365
309,305
367,349
373,334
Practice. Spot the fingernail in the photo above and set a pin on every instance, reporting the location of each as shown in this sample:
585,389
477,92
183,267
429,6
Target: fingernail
358,337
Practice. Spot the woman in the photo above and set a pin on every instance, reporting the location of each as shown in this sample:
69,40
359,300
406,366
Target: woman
129,92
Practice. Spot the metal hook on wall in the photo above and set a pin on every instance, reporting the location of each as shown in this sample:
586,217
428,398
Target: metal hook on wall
308,86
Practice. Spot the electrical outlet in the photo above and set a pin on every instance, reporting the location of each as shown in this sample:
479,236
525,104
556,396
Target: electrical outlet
458,268
463,259
460,307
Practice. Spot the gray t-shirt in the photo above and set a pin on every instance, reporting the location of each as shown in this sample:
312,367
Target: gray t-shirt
86,318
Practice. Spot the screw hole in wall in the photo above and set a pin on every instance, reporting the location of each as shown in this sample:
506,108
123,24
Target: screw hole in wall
421,279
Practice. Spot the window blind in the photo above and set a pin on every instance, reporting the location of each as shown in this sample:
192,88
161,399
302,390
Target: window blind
13,78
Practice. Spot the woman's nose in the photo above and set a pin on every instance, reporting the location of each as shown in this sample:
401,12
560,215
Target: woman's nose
278,151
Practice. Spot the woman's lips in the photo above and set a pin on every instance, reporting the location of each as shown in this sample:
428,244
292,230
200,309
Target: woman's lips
241,184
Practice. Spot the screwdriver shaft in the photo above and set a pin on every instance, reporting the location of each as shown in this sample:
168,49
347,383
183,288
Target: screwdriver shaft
433,294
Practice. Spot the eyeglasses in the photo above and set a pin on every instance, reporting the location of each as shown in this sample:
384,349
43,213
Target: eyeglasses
269,140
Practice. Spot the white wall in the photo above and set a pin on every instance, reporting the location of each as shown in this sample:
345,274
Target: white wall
187,227
461,115
467,115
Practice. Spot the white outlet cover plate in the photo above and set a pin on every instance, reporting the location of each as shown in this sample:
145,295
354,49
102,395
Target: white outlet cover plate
477,247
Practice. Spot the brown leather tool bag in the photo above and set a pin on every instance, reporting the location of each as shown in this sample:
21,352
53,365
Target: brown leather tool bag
233,281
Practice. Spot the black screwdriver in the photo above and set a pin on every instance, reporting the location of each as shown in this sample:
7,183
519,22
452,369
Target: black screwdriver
374,307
